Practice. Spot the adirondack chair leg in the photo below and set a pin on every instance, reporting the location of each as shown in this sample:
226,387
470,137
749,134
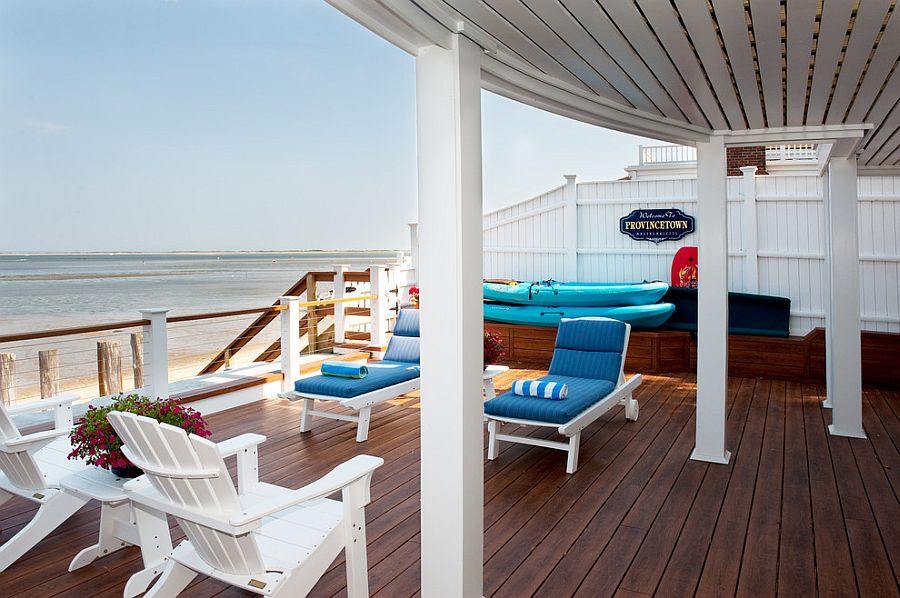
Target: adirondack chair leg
362,430
355,552
49,516
574,444
111,517
174,580
493,443
4,496
156,544
305,417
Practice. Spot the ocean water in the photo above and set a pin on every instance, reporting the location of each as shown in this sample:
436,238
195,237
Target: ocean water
40,292
60,291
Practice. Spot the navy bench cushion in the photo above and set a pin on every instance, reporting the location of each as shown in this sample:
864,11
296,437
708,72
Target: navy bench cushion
381,375
583,392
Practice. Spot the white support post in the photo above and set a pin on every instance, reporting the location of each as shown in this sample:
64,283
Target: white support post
414,250
751,230
570,228
712,302
448,118
156,346
340,321
290,342
379,310
844,376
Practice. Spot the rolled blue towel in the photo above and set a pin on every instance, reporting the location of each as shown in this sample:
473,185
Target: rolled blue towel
344,370
541,389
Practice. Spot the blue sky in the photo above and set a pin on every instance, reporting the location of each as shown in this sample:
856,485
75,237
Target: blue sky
202,125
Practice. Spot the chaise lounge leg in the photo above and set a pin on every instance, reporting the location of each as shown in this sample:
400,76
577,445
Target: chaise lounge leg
49,516
174,579
304,415
631,409
362,429
493,443
574,444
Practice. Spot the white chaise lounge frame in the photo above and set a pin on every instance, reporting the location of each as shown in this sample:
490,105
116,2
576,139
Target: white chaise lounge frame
620,395
361,404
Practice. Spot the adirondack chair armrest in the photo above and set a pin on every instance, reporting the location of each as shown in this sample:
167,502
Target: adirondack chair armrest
238,444
61,404
31,441
244,447
340,477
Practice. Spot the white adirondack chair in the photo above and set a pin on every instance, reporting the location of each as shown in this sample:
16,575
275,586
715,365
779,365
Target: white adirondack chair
32,466
268,540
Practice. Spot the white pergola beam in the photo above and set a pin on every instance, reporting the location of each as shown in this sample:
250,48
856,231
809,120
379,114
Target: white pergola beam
712,302
400,22
804,134
448,121
843,376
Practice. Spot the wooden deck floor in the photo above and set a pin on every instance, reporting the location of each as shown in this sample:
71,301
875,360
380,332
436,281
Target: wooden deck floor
797,512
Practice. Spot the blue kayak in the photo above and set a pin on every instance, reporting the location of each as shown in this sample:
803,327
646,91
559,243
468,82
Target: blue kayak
575,294
639,316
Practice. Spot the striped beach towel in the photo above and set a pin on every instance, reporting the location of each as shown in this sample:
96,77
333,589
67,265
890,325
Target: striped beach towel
540,389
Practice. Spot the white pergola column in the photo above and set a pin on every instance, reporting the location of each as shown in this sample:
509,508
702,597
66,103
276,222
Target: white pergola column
842,321
448,120
712,302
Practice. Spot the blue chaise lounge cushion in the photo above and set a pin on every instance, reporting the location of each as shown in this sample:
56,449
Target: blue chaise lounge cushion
400,364
589,348
583,392
381,375
587,358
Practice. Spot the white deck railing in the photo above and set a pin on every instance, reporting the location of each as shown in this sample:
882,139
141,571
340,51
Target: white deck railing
683,154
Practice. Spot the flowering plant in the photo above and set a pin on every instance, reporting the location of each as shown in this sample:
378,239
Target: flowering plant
493,348
95,440
414,295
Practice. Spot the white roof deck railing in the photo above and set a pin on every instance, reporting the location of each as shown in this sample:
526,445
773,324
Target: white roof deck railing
685,154
666,154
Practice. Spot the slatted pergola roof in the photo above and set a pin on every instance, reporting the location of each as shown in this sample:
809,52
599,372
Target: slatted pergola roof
690,66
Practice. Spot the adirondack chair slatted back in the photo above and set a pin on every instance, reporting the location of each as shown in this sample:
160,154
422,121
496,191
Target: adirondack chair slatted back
19,467
189,472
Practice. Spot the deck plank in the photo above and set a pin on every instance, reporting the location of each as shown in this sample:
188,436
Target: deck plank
797,511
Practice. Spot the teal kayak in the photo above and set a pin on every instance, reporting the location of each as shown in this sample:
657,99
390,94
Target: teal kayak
575,294
639,316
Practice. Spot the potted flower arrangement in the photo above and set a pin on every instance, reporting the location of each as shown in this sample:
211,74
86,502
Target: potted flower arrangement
493,348
95,440
414,296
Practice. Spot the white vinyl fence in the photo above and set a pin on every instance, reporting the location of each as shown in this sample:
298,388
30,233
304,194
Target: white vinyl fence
776,239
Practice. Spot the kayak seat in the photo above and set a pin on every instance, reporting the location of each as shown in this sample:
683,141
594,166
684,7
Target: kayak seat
589,357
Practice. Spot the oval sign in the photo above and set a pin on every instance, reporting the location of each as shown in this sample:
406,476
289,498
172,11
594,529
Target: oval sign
656,224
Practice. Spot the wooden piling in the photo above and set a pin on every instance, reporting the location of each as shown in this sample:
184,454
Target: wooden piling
137,358
312,318
8,378
48,364
109,367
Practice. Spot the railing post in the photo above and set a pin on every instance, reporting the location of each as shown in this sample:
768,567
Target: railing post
156,345
379,311
570,227
640,155
340,286
290,342
751,232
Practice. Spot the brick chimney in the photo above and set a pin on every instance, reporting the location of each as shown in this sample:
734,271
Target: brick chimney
736,157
